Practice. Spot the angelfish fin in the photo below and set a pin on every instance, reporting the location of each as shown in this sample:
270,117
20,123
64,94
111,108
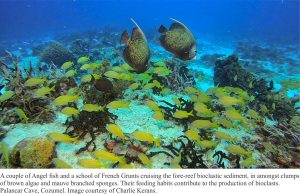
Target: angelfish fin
179,24
137,33
124,37
162,29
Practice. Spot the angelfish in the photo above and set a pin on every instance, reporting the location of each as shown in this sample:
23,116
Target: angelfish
178,40
136,52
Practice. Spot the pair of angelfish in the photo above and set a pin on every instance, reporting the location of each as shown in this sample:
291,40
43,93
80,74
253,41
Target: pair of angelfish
178,40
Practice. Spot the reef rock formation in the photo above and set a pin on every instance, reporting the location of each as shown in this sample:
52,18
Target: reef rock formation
56,53
228,72
33,153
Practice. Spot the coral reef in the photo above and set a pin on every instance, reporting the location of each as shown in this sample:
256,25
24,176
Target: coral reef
33,153
156,119
80,47
228,72
179,78
56,53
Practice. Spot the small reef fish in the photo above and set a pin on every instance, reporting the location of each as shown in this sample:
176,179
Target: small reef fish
85,67
225,136
234,115
165,91
157,84
61,164
93,66
160,64
225,123
148,86
73,91
116,131
181,114
86,78
91,163
178,40
237,150
144,77
207,144
248,162
126,67
90,66
145,160
118,69
97,76
43,91
108,157
65,99
67,65
118,104
92,108
177,102
158,116
71,73
203,124
5,152
59,137
253,114
136,52
34,82
134,86
112,74
203,97
202,110
175,162
161,71
193,135
230,101
6,96
145,137
126,77
22,115
83,60
70,111
191,90
152,105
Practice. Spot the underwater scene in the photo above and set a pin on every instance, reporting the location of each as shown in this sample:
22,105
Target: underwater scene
134,84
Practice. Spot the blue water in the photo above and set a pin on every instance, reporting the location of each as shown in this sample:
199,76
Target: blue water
269,20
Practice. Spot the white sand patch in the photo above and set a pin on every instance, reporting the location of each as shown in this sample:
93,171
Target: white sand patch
19,132
139,117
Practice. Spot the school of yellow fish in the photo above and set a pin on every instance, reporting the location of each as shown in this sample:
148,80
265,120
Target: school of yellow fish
233,100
